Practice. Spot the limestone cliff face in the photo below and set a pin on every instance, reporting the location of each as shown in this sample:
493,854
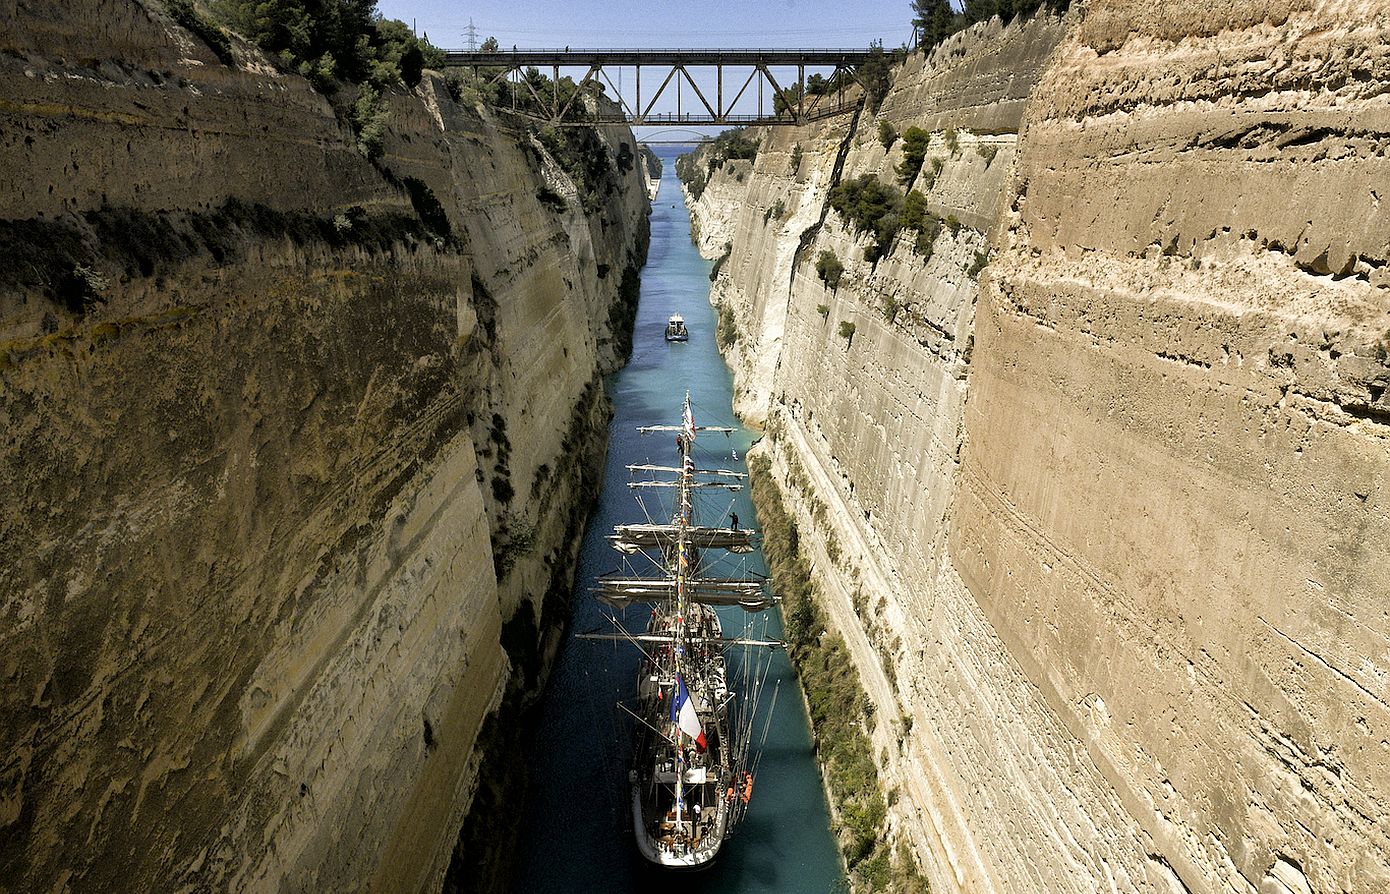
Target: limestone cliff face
295,446
1104,522
1203,377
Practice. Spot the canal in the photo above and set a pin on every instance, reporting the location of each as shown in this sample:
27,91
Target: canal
575,835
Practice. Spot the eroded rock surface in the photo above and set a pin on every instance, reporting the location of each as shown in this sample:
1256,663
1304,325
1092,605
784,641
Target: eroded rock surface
1103,520
290,439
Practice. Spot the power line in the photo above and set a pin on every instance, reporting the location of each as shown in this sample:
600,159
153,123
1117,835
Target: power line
471,32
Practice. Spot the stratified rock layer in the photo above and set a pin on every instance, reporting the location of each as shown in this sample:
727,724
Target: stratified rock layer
290,439
1106,524
1184,334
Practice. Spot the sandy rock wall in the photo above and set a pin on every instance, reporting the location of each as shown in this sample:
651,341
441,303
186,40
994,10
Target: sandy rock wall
1099,521
183,132
1184,338
866,433
284,456
737,216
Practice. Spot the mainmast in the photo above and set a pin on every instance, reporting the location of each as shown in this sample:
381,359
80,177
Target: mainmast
683,512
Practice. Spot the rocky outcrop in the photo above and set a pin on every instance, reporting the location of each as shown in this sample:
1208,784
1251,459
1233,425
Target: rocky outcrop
1095,492
295,446
651,169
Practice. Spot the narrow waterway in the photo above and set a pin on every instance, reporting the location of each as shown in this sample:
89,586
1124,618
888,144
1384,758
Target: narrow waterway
575,835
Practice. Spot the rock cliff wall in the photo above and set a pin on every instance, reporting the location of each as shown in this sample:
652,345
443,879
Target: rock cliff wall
296,444
1103,520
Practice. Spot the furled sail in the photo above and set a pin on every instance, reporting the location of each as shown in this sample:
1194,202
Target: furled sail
749,595
632,538
688,485
648,467
666,639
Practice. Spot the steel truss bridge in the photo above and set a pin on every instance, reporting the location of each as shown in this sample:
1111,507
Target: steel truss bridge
672,67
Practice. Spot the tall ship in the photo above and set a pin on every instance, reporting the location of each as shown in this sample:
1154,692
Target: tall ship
695,702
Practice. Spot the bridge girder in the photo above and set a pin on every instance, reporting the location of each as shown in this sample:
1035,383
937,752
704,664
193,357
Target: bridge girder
790,105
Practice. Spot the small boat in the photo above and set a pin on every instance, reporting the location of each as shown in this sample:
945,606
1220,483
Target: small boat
675,329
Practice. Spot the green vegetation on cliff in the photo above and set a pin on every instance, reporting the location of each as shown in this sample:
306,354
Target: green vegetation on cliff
583,155
726,329
653,161
840,710
332,43
728,146
187,15
875,74
829,269
331,40
878,209
816,85
871,207
574,98
887,134
915,142
691,174
916,216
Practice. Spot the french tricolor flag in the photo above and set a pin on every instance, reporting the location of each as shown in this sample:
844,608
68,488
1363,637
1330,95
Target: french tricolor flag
683,714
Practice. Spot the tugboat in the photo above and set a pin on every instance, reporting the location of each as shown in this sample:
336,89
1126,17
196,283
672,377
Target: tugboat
675,329
693,762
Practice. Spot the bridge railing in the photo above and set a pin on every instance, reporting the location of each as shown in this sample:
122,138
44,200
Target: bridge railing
689,55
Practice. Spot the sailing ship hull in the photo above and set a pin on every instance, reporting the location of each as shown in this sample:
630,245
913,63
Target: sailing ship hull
685,833
700,856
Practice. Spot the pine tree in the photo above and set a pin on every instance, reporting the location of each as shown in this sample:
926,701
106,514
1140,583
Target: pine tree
935,19
984,10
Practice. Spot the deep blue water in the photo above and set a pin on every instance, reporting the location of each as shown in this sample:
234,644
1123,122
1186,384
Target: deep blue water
574,836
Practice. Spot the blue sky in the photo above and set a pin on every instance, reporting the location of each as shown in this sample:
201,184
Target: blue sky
660,23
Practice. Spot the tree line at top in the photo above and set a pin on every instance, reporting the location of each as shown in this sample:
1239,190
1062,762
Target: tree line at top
936,20
326,41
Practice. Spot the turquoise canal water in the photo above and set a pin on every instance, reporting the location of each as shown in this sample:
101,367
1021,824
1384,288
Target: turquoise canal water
575,835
